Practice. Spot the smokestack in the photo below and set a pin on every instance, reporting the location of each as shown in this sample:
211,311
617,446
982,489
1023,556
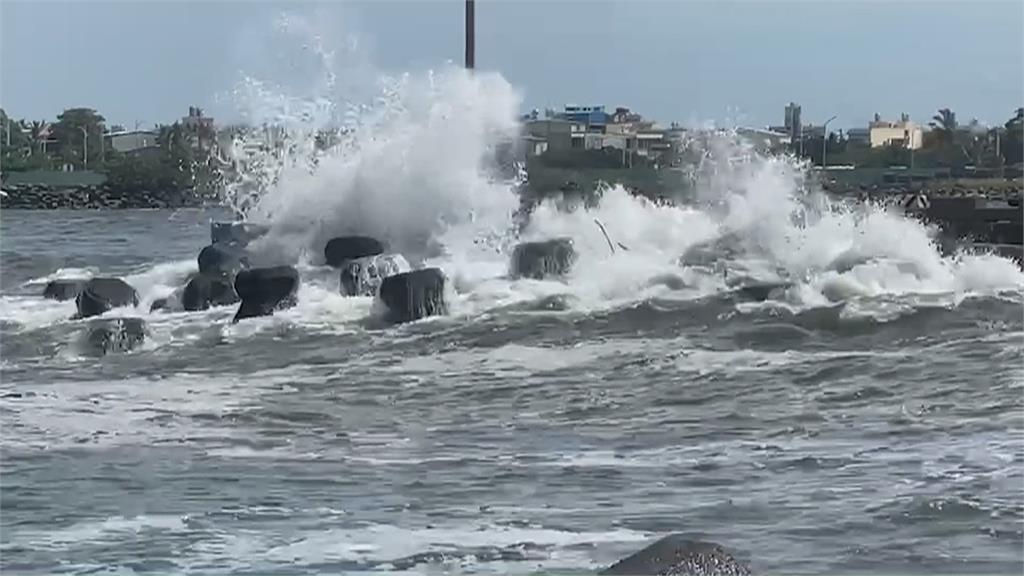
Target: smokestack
470,35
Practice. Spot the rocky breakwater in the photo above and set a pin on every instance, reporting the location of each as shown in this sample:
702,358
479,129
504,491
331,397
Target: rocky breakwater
92,197
984,215
984,222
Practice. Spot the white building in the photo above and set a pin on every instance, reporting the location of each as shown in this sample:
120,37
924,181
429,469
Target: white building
904,133
130,141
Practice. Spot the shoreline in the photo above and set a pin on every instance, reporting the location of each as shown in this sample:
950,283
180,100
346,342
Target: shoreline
95,197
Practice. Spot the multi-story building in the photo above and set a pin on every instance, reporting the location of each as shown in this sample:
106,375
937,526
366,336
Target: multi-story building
905,134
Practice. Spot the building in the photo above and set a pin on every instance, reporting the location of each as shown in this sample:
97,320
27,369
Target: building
556,132
594,117
591,128
131,141
199,129
195,119
765,140
904,134
792,125
859,136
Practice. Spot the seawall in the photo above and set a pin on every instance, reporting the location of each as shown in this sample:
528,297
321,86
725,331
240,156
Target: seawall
93,197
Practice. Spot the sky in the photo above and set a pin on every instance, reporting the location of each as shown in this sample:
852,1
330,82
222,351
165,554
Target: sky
146,61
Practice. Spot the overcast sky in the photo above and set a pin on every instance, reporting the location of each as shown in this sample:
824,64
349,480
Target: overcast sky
732,62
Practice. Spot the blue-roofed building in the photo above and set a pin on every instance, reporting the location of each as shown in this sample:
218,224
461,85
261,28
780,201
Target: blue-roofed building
589,115
594,117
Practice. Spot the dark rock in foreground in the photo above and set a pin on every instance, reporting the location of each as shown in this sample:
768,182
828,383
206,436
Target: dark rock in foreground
115,335
413,295
340,250
236,233
102,294
64,289
543,259
363,276
222,259
205,290
264,290
676,555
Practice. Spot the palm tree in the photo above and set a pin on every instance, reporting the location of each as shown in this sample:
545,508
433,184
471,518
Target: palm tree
944,125
35,130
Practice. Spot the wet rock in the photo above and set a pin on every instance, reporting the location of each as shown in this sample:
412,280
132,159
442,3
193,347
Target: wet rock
102,294
543,259
668,280
706,253
115,335
363,276
414,295
64,289
160,304
205,290
676,555
515,553
236,233
222,260
761,291
340,250
264,290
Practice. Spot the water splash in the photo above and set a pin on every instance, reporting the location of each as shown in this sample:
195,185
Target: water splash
411,159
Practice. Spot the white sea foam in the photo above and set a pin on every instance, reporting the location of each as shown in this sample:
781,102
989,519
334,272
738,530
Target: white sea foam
415,164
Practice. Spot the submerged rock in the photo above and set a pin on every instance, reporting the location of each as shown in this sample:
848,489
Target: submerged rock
115,335
706,253
340,250
99,295
64,288
761,291
160,304
676,555
236,233
205,290
264,290
363,276
414,295
543,259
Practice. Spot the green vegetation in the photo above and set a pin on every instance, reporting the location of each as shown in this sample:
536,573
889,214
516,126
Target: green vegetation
948,146
183,159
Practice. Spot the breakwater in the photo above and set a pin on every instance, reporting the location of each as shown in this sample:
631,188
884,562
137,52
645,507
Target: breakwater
93,197
989,219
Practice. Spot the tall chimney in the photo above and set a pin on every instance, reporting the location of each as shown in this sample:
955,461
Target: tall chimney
470,35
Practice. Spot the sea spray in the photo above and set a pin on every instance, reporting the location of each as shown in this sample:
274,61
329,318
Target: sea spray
415,165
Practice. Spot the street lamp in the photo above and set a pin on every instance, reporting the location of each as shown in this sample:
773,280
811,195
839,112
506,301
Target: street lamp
824,142
85,148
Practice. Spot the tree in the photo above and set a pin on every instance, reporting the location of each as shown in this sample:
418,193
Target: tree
944,125
36,135
13,139
68,130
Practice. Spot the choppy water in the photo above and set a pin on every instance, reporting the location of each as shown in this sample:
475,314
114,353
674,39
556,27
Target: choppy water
867,418
512,436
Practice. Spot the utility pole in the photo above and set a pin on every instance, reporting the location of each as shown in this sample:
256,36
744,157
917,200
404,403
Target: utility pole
824,143
470,35
85,148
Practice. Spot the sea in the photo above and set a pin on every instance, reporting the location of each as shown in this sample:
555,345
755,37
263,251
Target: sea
810,382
